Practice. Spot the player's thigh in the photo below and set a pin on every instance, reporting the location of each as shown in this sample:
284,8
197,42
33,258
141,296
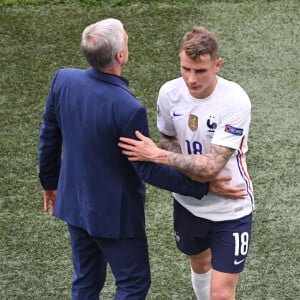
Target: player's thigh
191,233
230,242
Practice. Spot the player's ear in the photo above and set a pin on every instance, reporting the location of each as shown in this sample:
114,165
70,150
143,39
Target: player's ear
218,64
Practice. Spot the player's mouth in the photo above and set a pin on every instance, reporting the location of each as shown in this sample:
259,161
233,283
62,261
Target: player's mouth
194,88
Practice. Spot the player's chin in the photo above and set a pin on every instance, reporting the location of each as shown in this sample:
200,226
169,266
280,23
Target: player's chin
195,92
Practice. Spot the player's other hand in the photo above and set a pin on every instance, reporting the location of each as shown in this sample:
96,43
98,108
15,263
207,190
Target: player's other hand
221,187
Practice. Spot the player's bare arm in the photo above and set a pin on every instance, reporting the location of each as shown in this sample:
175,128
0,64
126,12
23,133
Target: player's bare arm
219,186
205,165
145,149
169,143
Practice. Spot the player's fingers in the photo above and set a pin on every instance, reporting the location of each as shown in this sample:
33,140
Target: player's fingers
126,146
224,178
239,190
140,136
134,158
128,153
235,189
127,142
236,196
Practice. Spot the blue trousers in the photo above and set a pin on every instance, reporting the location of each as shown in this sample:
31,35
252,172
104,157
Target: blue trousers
127,257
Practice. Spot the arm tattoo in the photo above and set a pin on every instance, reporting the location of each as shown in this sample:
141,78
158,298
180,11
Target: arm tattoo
206,165
170,143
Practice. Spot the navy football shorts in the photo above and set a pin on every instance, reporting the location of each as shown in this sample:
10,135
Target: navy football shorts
228,240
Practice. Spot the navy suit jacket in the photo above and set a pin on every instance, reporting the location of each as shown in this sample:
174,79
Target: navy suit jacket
98,189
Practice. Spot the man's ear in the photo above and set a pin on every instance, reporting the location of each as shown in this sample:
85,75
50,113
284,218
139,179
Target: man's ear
120,57
218,64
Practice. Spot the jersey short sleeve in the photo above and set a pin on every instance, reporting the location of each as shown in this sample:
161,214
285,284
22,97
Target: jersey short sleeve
164,118
234,125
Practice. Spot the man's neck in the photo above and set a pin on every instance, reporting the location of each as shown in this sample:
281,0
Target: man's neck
114,71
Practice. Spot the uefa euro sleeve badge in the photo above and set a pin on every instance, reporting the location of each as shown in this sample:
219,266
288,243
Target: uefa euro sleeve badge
193,122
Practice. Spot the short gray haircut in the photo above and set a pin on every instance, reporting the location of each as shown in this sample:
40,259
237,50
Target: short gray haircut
101,41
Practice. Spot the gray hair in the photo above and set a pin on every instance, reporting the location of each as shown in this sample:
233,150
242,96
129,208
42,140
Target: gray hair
101,41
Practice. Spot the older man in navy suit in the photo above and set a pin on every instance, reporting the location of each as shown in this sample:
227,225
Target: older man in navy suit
88,182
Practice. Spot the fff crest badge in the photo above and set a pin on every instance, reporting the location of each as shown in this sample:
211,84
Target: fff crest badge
193,122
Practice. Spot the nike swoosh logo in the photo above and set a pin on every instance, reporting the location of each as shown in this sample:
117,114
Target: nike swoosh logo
176,115
237,262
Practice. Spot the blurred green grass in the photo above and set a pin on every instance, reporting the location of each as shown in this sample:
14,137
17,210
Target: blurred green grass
259,43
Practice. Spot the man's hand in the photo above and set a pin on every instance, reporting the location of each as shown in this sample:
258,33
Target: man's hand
49,200
220,187
143,149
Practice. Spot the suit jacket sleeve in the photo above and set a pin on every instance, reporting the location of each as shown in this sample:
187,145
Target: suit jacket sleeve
50,147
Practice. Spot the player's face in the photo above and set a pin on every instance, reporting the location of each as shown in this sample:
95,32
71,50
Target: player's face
199,75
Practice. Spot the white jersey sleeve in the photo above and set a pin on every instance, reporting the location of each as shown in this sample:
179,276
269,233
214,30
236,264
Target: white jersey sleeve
165,102
234,125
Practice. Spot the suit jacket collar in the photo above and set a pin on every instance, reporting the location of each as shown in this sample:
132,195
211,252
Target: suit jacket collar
109,78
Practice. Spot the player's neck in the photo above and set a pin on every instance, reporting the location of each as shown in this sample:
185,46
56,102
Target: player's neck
210,89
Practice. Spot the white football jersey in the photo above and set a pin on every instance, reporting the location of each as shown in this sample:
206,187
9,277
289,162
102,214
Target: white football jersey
223,119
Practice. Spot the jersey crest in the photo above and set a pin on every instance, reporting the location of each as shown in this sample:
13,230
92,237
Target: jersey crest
193,122
212,125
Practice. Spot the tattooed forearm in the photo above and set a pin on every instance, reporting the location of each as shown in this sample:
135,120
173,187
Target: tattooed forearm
206,165
170,143
221,154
